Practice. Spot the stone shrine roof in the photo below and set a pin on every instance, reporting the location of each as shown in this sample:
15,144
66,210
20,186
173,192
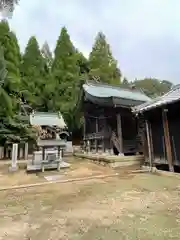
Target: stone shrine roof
47,119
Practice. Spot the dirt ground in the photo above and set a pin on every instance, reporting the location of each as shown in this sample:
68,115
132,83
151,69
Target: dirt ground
134,206
78,169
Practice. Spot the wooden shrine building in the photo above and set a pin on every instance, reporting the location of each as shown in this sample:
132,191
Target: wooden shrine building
162,136
109,124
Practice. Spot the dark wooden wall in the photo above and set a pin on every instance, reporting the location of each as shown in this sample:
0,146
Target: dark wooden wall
106,117
155,118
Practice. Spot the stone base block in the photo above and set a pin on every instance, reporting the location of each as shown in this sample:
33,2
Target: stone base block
13,169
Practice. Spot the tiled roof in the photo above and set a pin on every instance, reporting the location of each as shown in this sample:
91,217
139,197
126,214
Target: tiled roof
105,91
170,97
47,119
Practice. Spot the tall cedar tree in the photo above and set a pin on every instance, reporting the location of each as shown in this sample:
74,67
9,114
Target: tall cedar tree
12,57
6,107
33,74
47,55
66,73
101,62
12,127
7,6
48,92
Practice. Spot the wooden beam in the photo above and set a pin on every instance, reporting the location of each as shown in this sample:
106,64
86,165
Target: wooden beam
96,140
167,140
151,140
119,132
84,135
84,128
149,143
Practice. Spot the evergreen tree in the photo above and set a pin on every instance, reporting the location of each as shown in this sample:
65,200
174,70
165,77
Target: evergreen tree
101,62
47,55
12,57
47,96
7,7
125,83
6,107
65,71
12,127
82,63
33,74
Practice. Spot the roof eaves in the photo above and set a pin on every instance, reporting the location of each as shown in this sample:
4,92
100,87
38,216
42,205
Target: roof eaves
157,102
100,84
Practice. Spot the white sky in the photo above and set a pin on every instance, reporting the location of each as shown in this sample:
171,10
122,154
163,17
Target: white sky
144,34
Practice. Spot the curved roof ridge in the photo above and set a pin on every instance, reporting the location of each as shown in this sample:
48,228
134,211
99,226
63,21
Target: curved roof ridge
102,90
101,84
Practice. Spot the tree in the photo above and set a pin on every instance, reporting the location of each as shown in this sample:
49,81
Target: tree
125,82
47,55
12,127
6,107
153,87
66,73
7,7
12,57
101,62
33,74
83,63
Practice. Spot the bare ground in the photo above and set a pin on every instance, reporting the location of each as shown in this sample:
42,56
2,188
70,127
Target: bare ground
79,168
138,206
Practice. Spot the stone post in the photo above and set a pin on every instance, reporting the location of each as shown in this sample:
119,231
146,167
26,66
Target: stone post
26,151
14,166
61,154
1,152
21,153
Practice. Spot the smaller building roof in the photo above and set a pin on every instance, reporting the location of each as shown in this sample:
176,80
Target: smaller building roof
168,98
47,119
100,90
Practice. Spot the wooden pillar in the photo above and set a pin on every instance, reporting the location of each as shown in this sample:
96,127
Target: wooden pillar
84,135
96,140
103,144
167,139
149,143
84,129
119,132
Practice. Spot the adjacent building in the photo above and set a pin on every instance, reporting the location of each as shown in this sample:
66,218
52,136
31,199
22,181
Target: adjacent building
162,135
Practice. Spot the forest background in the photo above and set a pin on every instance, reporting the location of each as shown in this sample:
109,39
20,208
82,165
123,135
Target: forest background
48,81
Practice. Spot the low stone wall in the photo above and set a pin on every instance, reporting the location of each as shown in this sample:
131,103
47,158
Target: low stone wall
112,160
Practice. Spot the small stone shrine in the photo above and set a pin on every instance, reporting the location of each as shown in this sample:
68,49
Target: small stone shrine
50,145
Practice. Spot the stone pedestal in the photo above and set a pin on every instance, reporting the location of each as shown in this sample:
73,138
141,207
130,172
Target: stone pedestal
14,166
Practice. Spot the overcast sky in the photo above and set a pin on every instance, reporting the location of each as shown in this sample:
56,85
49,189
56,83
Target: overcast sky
144,34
